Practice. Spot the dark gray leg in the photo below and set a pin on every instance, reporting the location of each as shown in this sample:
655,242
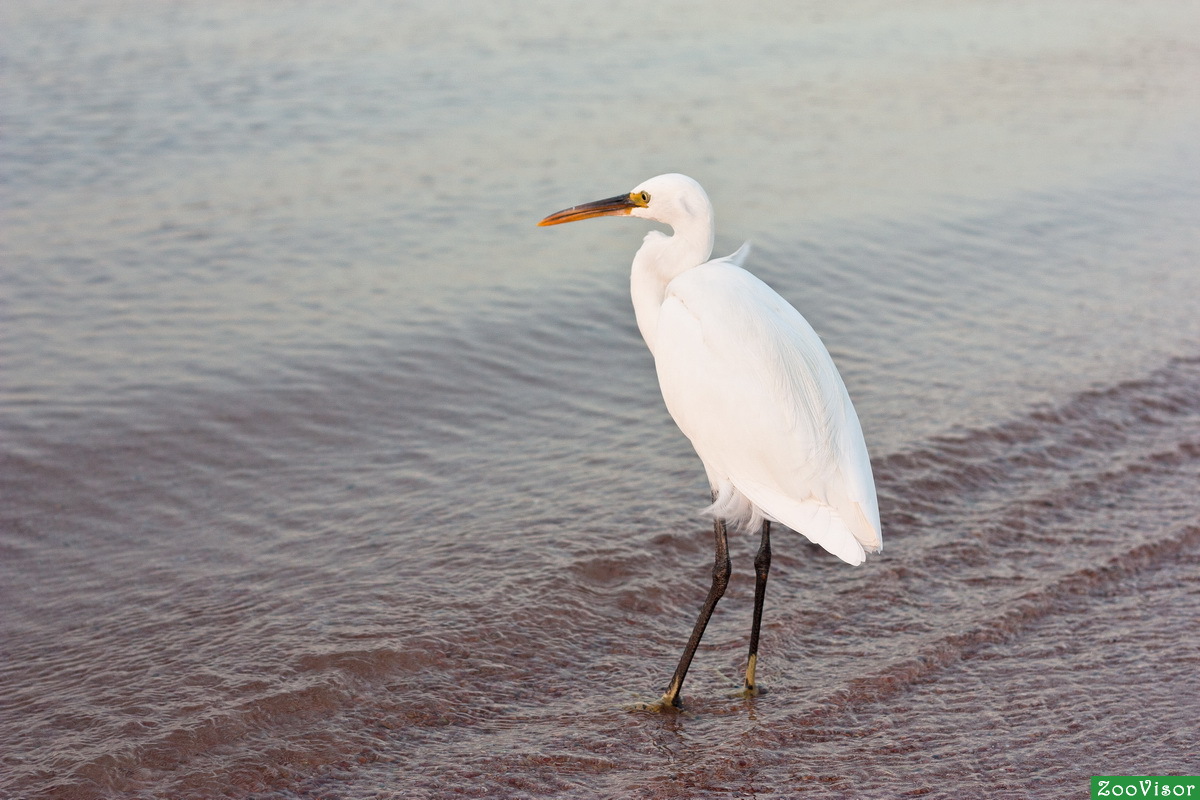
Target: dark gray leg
762,566
720,579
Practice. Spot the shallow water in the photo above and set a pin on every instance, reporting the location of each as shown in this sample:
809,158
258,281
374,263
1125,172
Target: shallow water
325,473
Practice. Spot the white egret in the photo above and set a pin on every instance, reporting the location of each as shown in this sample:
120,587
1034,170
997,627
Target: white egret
751,385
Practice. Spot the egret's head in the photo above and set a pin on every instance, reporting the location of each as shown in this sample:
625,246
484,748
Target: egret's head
672,199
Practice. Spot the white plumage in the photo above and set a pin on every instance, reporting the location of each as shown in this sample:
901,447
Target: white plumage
749,382
751,385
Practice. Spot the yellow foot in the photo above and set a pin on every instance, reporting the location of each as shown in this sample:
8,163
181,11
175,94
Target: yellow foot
666,704
746,692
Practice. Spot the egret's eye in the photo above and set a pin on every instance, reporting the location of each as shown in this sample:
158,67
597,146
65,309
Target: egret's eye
640,198
644,197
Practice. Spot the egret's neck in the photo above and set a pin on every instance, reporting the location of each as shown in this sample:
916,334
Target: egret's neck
659,261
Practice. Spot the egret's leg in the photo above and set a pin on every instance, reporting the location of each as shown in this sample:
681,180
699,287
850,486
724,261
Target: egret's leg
762,566
720,579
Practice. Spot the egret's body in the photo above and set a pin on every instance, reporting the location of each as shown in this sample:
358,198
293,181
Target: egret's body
751,385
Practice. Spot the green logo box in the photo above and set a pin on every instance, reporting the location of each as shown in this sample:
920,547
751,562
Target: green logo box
1146,786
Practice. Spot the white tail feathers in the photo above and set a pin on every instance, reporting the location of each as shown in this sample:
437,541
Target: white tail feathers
819,522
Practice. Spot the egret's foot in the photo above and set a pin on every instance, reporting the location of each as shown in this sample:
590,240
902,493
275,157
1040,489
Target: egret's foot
667,704
746,692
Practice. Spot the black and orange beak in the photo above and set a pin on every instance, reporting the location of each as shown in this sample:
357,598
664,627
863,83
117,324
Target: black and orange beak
620,205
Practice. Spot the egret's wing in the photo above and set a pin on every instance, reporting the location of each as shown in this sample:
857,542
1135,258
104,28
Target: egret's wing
739,258
751,384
